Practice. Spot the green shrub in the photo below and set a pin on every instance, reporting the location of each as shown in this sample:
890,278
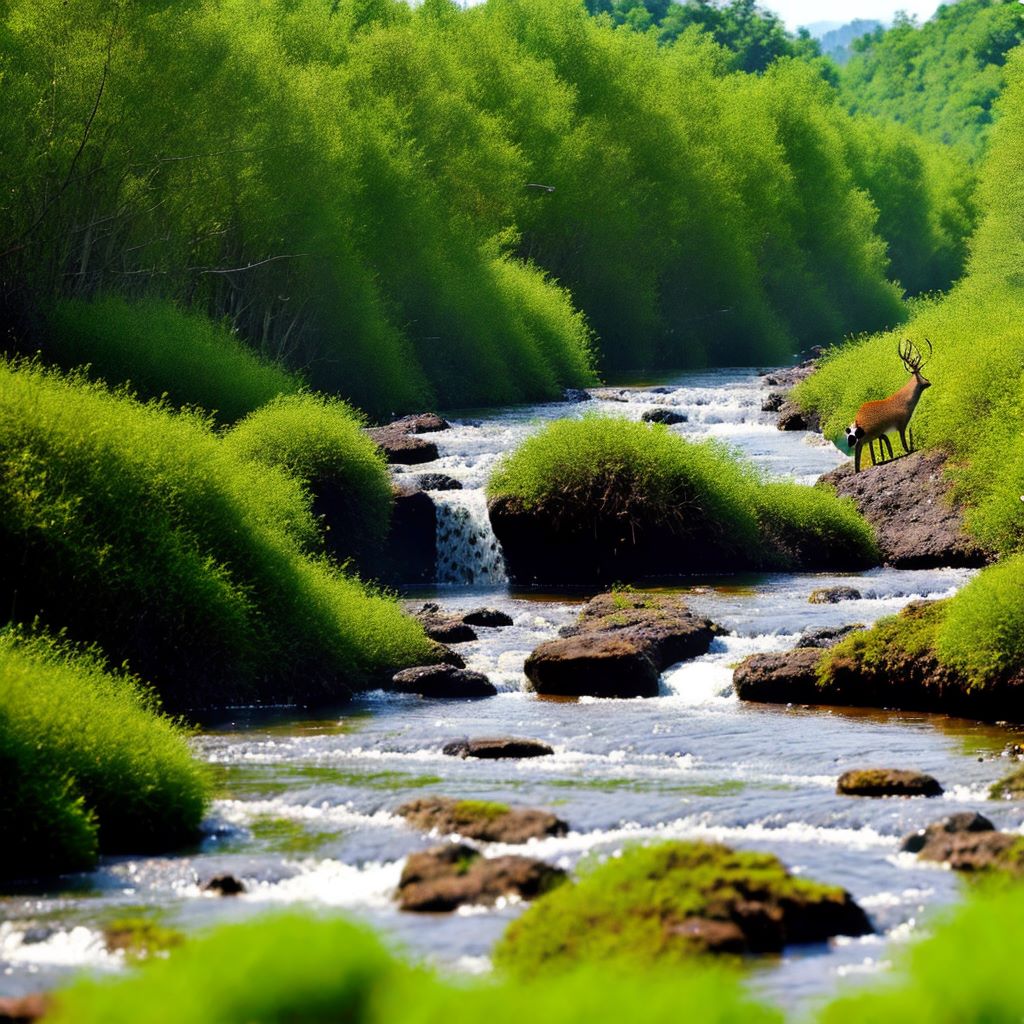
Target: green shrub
643,476
87,761
965,972
632,908
294,970
160,350
140,529
320,441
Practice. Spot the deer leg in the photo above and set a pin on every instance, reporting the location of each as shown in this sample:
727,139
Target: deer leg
871,452
858,448
903,441
884,440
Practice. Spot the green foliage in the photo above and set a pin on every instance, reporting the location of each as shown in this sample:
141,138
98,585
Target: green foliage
645,475
143,531
306,971
160,350
320,441
964,973
624,909
87,761
941,78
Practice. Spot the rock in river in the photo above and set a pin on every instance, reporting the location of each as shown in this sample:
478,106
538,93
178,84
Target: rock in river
494,747
834,595
967,842
443,627
446,877
887,782
481,819
619,647
442,681
667,416
787,677
908,502
487,617
402,449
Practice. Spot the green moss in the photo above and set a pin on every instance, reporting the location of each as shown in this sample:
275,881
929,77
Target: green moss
88,763
477,809
1010,787
140,937
614,473
284,835
631,908
234,780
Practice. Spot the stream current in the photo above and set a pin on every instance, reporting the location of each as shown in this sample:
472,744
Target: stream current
305,813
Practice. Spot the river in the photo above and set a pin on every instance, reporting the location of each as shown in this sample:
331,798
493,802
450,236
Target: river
305,811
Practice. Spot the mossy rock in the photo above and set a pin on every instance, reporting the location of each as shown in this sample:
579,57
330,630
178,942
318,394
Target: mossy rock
1009,787
663,904
482,819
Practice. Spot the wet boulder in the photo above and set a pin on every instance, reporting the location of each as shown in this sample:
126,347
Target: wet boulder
792,417
437,482
667,416
25,1009
495,747
443,878
968,842
576,395
223,885
443,627
881,782
402,449
834,595
788,677
909,503
619,647
442,681
481,819
827,636
492,617
773,403
420,423
662,904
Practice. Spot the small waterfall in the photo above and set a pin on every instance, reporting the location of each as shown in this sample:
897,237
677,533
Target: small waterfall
467,550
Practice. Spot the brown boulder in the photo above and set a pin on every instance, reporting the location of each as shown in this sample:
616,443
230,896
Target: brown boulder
402,449
443,627
619,647
834,595
421,423
446,877
788,677
25,1009
827,636
224,885
477,819
487,617
968,842
441,681
875,782
495,747
908,502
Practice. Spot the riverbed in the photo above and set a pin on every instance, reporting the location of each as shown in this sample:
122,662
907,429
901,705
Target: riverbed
305,812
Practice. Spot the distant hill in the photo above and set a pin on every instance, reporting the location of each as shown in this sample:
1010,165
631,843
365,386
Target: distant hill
818,28
835,43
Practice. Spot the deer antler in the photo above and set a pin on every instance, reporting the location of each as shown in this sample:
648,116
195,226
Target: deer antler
911,356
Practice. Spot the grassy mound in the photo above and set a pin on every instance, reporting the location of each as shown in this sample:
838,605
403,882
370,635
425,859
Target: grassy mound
662,904
141,530
162,350
303,971
320,441
614,484
88,763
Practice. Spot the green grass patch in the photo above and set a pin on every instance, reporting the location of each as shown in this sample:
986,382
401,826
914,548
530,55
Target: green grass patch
610,474
88,763
631,908
319,441
141,529
161,350
295,970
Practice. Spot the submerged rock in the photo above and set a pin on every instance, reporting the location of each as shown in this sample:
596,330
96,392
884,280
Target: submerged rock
482,820
667,416
224,885
442,681
443,878
908,502
968,842
878,782
659,905
619,647
833,595
437,482
487,617
493,747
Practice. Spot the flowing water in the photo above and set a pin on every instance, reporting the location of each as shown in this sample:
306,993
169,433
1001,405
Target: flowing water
306,816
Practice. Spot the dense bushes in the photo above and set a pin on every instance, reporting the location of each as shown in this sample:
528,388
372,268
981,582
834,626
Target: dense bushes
160,350
304,971
357,191
321,443
637,499
87,763
141,530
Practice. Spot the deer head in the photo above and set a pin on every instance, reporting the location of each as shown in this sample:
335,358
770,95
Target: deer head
913,359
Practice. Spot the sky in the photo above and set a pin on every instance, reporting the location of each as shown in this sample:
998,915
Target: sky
805,12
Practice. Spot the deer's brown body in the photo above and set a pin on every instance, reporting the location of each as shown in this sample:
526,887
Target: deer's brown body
875,420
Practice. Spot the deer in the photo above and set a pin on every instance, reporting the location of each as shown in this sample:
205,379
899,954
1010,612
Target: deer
874,420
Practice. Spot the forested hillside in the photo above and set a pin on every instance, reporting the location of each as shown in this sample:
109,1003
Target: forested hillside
430,206
941,78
